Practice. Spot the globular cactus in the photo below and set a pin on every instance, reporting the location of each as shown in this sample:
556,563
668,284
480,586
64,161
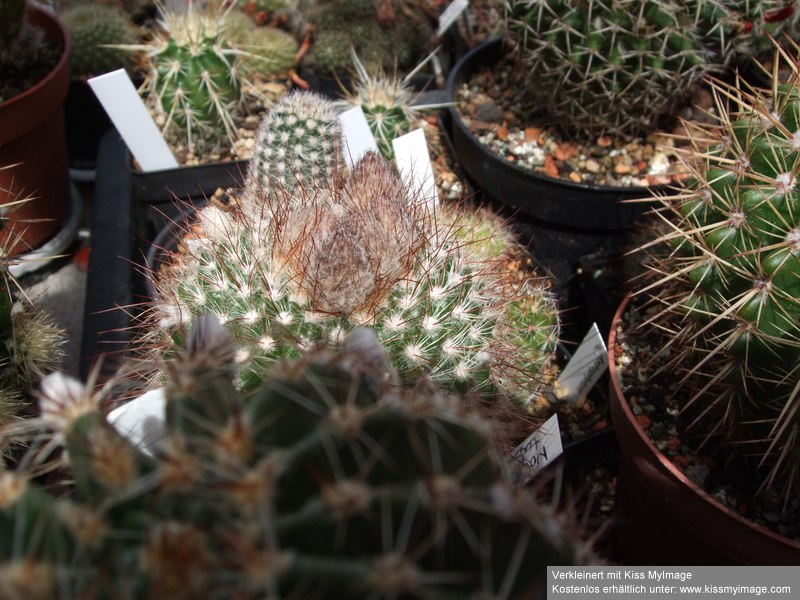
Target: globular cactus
92,29
23,48
268,50
12,22
386,101
298,141
384,33
729,278
321,483
294,269
616,66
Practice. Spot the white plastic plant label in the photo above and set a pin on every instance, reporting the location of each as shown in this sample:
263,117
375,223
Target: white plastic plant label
141,420
584,368
358,138
415,167
538,450
127,112
450,14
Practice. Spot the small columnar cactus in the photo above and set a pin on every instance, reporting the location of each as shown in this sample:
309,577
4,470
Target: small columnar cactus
729,281
199,73
298,268
298,141
92,29
319,484
386,101
616,66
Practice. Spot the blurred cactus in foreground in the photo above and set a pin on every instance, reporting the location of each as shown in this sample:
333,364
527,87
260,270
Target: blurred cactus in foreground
321,483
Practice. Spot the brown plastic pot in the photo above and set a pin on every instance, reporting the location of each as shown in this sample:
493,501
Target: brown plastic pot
32,139
665,519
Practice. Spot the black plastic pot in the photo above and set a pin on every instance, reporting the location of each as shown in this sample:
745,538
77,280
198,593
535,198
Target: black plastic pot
167,195
560,220
86,122
114,288
557,201
187,182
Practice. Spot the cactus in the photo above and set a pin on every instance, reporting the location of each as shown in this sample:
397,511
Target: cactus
26,56
618,66
297,141
321,483
270,51
198,74
12,24
30,347
386,101
729,278
297,268
758,21
396,40
271,11
92,28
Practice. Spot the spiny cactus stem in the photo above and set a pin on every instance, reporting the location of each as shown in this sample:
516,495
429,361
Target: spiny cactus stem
6,302
351,572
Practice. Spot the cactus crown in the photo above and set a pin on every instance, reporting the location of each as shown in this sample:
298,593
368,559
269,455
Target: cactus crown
616,66
297,142
92,28
730,276
298,266
321,483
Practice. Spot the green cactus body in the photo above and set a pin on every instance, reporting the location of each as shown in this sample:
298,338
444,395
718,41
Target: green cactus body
297,141
385,102
198,72
616,66
346,25
92,28
268,50
732,287
298,269
195,76
320,483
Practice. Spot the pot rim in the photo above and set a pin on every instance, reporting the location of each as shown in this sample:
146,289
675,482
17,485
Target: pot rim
647,193
668,468
58,76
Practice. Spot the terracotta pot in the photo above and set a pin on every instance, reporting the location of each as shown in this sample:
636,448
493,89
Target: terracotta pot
665,519
32,138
